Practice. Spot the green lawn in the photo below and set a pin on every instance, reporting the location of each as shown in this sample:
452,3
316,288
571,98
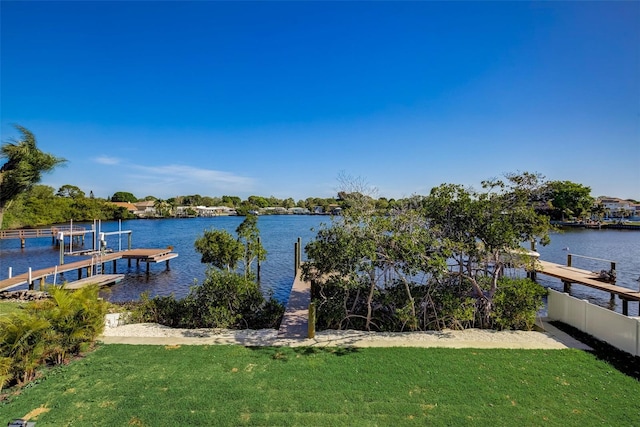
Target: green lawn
120,385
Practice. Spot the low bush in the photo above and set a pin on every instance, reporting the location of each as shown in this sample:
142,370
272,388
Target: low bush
516,304
223,300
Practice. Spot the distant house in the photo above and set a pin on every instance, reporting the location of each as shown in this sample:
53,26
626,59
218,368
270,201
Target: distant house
618,208
209,211
299,211
128,206
335,209
145,208
277,210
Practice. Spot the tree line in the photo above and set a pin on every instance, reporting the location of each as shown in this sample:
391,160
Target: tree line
24,203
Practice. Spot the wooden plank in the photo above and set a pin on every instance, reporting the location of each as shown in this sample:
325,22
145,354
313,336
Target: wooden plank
98,279
165,257
295,322
584,277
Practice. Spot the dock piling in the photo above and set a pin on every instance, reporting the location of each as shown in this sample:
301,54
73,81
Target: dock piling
312,320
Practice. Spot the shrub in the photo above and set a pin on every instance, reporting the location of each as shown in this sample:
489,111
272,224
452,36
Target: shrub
516,303
165,310
223,300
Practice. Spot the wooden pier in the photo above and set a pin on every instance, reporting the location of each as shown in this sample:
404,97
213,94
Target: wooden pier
295,322
92,265
52,232
569,275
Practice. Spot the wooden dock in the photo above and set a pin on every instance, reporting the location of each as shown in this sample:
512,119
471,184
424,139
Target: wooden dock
295,322
570,275
52,232
145,255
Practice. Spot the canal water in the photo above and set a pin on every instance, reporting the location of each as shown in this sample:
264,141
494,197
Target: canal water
279,234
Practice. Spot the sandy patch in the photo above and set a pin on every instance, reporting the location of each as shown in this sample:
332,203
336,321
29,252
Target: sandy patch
150,333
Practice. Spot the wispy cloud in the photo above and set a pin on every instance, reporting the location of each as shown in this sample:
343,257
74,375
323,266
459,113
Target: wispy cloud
107,160
192,177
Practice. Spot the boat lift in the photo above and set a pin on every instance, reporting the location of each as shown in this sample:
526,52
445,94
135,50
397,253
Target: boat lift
99,244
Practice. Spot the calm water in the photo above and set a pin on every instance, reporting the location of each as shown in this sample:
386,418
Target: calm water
279,234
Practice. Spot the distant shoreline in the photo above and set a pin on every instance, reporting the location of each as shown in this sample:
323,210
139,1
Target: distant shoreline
597,226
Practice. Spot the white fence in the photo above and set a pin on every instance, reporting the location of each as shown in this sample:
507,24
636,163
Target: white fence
620,331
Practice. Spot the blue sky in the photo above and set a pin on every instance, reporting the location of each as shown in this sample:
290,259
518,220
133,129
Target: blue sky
281,98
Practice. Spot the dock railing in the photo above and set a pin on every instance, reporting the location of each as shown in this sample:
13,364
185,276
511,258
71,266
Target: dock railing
609,276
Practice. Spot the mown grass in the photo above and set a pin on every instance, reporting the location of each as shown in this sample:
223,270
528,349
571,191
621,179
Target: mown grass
120,385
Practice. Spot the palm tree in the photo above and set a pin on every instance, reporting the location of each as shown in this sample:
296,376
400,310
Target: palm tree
23,166
5,371
598,210
76,319
162,207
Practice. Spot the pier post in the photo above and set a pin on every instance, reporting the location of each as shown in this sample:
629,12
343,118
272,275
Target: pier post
533,274
10,272
567,287
295,259
42,284
114,266
259,244
79,273
568,260
625,307
148,267
22,243
311,332
612,301
61,246
613,271
30,280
